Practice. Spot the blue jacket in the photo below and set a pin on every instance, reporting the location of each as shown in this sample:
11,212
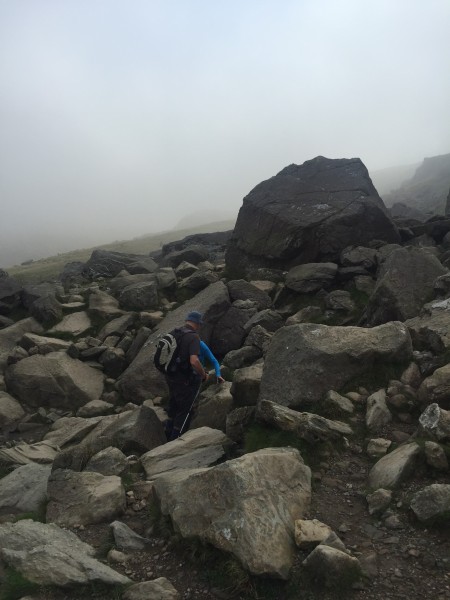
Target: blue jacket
206,354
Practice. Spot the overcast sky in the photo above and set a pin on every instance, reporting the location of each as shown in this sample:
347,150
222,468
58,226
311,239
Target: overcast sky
119,117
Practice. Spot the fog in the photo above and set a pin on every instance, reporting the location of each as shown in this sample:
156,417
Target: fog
119,118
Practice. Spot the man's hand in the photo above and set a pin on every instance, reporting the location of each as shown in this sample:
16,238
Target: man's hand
220,380
205,376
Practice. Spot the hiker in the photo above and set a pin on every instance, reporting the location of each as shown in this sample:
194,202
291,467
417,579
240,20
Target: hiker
185,383
207,355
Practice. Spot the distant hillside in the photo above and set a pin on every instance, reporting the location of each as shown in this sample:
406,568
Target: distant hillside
428,188
47,269
391,178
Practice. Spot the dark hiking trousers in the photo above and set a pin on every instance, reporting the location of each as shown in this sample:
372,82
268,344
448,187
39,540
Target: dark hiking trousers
182,395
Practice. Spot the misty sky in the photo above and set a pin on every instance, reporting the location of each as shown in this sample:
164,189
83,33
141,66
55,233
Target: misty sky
119,117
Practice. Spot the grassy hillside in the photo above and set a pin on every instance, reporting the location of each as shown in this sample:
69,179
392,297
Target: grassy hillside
47,269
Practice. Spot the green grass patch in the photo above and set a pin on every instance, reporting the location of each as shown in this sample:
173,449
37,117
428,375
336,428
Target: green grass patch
14,586
259,436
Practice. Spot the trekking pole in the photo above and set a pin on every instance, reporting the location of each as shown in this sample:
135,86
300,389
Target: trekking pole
190,410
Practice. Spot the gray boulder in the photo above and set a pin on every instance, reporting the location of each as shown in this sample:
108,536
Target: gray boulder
11,335
74,324
47,555
47,310
196,448
435,422
25,489
110,461
377,413
229,332
405,282
103,305
126,539
432,503
54,380
256,523
10,410
333,567
212,407
83,498
308,213
240,289
431,329
311,277
142,380
193,254
359,256
436,388
108,263
246,385
304,361
133,431
199,280
140,296
393,468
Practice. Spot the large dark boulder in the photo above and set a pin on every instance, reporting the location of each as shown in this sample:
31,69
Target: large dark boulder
308,213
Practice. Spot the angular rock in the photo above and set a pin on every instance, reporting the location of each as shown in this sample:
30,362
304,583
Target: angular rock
47,310
10,410
270,320
432,503
435,456
110,461
126,539
199,280
304,361
246,384
212,407
69,430
256,523
24,454
25,489
117,326
11,335
83,498
240,289
310,533
74,324
308,213
340,301
377,414
95,408
47,555
311,277
29,340
133,431
54,380
431,329
10,293
307,426
405,282
193,254
113,361
185,269
393,468
196,448
103,305
108,263
310,314
335,404
238,420
332,567
244,357
379,501
229,332
359,256
140,296
436,388
435,422
378,447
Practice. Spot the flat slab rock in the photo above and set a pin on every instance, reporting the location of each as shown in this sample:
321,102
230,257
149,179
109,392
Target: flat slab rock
47,555
393,468
196,448
42,453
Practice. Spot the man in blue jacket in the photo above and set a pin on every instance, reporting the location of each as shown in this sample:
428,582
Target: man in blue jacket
185,383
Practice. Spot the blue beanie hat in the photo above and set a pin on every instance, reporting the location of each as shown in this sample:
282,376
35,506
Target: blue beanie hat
195,317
